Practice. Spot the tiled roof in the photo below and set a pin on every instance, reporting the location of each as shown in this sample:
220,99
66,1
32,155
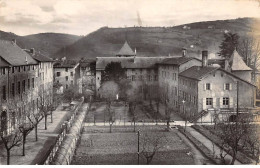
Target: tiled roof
177,60
197,72
237,63
129,62
14,55
42,58
126,50
65,64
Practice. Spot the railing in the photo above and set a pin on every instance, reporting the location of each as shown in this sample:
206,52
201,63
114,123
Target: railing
65,128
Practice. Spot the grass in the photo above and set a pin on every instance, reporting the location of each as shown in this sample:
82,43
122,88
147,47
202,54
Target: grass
97,146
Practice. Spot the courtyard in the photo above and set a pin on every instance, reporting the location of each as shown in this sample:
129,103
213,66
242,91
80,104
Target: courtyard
98,146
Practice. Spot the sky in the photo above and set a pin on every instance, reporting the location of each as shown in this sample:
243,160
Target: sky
81,17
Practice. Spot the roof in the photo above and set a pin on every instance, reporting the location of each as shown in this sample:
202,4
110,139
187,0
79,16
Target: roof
14,55
65,64
237,63
42,58
3,63
177,60
198,73
129,62
126,50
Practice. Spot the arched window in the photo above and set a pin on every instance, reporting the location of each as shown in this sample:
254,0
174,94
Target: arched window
3,119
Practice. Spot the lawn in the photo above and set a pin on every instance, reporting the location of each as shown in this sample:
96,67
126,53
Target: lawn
97,146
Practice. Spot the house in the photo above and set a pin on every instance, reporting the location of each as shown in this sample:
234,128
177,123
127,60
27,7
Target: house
45,74
67,73
19,83
206,91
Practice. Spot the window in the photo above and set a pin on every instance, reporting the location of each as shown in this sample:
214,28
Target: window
67,78
13,90
66,69
32,82
133,77
23,85
155,77
71,73
227,86
4,92
209,101
71,82
58,73
19,87
225,101
207,86
3,70
28,83
19,69
24,68
12,69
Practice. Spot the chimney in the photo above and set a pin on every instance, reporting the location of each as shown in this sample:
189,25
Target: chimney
204,58
32,51
184,51
14,41
226,65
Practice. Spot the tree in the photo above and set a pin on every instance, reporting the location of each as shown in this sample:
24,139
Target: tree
228,45
113,72
165,99
10,141
109,90
249,48
133,97
25,128
232,134
253,141
151,145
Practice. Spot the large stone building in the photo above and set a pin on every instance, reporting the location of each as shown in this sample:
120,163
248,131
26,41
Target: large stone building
188,85
19,83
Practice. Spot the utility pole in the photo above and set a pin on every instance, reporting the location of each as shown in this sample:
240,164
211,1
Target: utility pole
138,150
183,101
237,115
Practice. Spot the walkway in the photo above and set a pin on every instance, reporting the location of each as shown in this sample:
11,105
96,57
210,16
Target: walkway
209,144
34,151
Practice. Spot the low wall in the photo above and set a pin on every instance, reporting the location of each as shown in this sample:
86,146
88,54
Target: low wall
65,129
67,149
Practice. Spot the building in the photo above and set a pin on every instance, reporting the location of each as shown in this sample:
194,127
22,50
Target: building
168,73
19,83
200,88
67,73
206,91
88,74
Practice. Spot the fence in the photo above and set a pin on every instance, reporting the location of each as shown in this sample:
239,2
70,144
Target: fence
65,128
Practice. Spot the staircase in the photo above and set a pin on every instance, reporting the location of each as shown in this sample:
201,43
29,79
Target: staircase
199,115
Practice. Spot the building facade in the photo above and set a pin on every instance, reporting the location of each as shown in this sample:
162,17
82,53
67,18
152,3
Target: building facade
19,82
67,73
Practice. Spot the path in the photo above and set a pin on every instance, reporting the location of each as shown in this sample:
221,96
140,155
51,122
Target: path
209,144
34,151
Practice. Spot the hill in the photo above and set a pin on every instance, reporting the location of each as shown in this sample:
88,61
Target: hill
155,41
46,43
